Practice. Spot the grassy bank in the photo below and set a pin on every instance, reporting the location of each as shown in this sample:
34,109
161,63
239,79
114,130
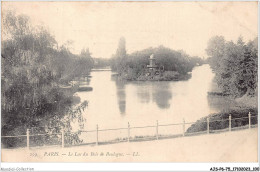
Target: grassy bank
220,120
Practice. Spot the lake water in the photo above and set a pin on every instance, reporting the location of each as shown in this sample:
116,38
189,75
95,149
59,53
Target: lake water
114,103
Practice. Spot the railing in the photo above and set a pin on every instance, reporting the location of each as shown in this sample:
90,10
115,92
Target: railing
202,127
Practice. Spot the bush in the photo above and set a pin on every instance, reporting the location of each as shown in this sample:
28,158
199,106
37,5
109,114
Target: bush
201,124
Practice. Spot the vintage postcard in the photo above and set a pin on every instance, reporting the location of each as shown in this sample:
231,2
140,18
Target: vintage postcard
129,82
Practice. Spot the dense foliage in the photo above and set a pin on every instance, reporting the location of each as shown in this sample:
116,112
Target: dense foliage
219,121
118,61
235,65
33,70
133,65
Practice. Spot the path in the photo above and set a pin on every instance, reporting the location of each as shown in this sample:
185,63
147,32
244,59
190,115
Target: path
235,146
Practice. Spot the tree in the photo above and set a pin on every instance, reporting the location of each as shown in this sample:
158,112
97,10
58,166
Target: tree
134,65
215,51
118,62
85,53
32,71
121,50
235,65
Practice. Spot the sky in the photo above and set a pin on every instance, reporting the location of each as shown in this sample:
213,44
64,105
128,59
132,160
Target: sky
178,25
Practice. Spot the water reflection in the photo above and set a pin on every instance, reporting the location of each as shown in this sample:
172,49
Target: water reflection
114,103
217,102
221,103
162,95
158,92
121,97
87,80
121,94
147,92
143,94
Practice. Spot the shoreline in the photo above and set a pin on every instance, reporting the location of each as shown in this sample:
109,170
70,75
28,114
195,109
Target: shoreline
241,109
144,78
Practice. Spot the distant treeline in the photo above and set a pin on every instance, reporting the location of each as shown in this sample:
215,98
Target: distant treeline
101,62
133,65
235,65
33,68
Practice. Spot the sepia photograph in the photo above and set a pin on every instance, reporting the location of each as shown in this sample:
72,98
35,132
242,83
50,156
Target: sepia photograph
140,82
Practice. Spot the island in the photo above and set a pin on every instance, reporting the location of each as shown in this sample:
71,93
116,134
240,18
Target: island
154,64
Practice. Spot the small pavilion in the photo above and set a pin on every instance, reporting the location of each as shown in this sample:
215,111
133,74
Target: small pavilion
152,66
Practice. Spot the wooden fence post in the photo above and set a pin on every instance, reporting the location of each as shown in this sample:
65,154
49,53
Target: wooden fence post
208,125
183,127
28,138
157,125
128,132
62,138
97,136
249,120
229,126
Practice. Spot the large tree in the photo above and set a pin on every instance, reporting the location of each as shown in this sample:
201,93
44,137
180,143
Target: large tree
119,59
235,65
32,71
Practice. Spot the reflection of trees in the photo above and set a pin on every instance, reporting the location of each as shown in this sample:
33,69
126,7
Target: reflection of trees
221,103
159,92
143,94
121,95
162,95
87,80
